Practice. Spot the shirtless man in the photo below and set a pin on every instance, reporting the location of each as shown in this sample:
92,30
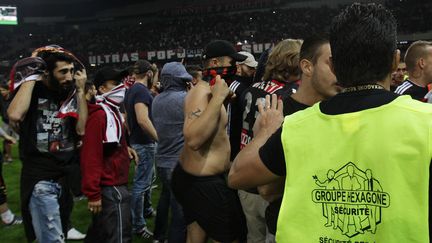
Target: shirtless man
211,209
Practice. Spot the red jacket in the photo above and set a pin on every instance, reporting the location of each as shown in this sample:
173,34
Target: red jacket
101,164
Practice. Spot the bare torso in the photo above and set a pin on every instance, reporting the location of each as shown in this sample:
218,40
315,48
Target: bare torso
212,157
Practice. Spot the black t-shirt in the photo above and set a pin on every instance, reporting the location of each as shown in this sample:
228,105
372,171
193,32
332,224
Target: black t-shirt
249,103
138,93
234,110
272,152
290,106
4,105
412,89
256,93
47,143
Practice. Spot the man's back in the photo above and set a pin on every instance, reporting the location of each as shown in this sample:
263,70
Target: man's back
168,117
354,143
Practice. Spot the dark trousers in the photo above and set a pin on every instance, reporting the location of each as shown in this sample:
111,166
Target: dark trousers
3,197
113,224
177,228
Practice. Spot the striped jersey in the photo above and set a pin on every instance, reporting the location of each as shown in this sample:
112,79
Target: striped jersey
255,94
412,89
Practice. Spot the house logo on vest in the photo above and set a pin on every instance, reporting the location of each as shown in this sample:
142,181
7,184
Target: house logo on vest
352,199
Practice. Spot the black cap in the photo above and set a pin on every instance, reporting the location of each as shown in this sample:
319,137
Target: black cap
106,73
4,84
220,48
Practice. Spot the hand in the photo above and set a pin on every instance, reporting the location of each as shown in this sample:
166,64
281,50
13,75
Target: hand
155,68
220,88
15,126
28,69
80,79
10,139
133,155
270,116
95,207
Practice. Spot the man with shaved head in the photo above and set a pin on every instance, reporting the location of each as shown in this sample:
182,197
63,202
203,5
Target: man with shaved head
418,60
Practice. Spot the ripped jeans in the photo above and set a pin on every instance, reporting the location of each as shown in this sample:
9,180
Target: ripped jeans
45,212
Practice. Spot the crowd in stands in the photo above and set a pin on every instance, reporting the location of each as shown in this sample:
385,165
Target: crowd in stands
412,15
194,30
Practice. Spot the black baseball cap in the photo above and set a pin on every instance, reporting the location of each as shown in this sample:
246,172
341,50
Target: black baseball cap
220,48
106,73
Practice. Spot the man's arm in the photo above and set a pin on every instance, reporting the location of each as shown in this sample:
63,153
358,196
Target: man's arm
8,138
20,104
92,157
248,170
143,120
201,115
80,79
155,74
272,191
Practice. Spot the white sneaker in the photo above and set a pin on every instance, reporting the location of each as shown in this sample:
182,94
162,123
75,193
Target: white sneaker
74,234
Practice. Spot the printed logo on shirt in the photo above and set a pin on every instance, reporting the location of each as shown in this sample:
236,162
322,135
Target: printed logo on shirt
52,133
352,200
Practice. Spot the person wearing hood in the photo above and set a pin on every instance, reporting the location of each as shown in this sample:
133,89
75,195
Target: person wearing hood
105,158
168,117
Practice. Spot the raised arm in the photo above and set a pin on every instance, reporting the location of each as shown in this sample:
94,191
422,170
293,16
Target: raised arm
20,104
201,114
80,79
26,71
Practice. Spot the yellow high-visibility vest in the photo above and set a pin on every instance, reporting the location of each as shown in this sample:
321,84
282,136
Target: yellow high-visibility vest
357,177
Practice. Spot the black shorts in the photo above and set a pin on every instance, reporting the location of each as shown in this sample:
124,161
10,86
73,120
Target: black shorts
208,201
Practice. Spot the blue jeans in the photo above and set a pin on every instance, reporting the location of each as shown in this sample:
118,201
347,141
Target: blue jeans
141,189
45,212
177,229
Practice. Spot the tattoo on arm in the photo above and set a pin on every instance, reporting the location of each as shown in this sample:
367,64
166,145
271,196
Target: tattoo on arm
195,114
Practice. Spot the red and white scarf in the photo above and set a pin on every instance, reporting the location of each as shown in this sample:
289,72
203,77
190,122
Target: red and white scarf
110,103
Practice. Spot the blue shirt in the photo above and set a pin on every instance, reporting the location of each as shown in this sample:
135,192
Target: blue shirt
138,93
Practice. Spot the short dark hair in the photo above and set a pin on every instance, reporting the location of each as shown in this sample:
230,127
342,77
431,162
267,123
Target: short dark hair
51,58
141,67
310,49
193,70
88,86
414,52
363,43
